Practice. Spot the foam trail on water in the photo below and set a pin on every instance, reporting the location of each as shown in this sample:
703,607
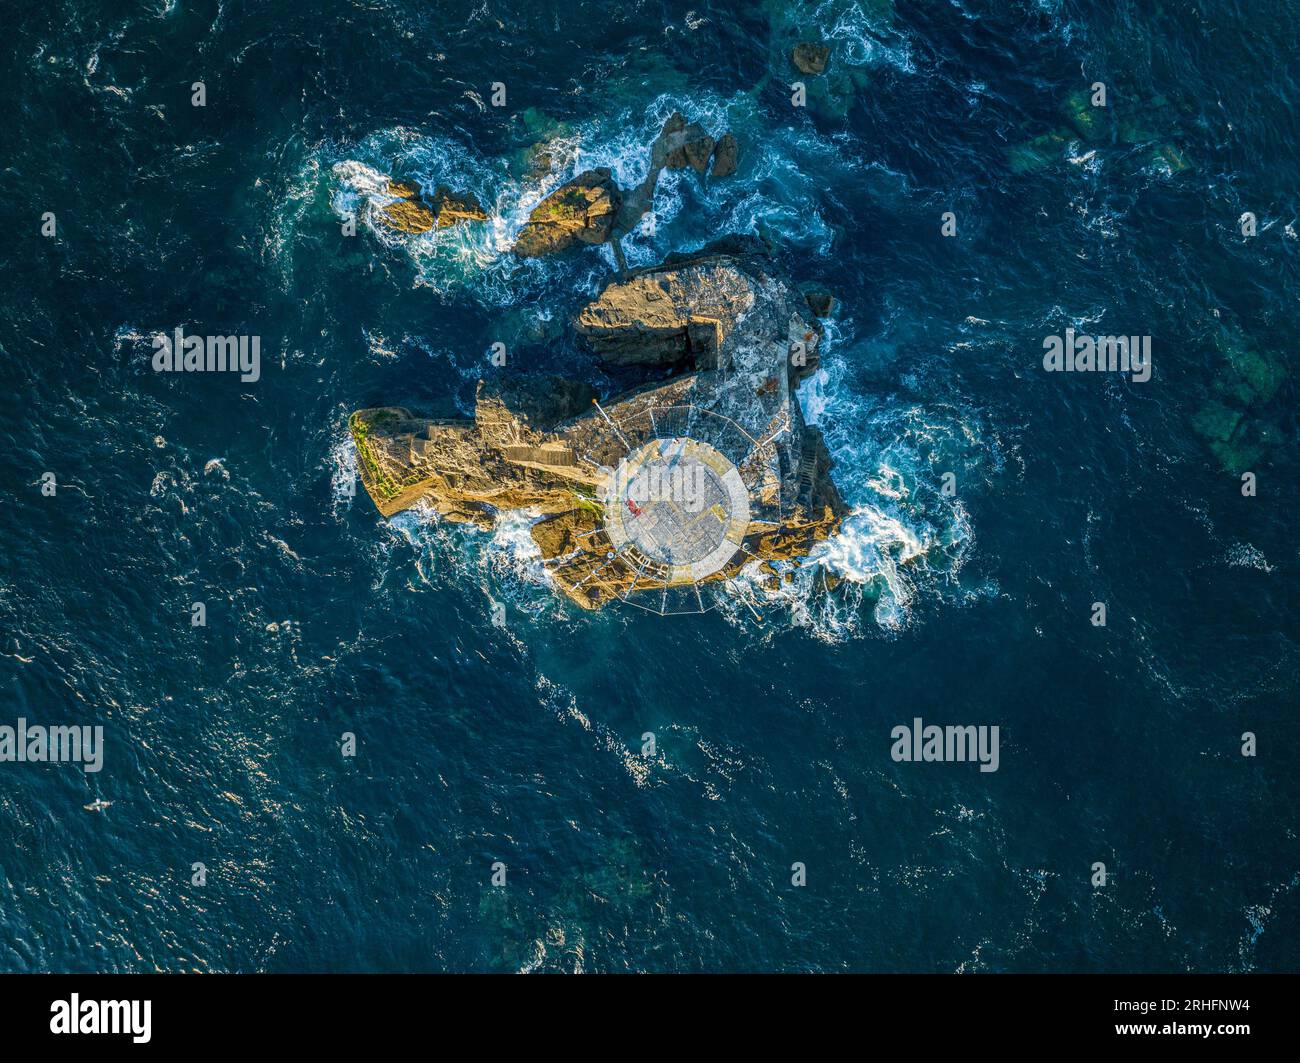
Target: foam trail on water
901,539
859,37
771,195
505,562
344,476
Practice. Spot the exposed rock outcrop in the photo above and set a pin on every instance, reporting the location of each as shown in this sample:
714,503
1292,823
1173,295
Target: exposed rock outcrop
667,315
592,209
740,337
412,213
820,301
409,213
809,57
726,155
582,211
697,150
452,208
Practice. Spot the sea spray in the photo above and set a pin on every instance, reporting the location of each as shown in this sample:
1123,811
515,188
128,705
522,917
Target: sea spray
899,541
775,199
504,561
342,465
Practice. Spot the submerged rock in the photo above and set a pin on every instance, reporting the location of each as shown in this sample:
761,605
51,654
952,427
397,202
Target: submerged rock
1168,158
581,211
1121,121
1091,123
739,338
1235,423
550,145
820,301
1037,154
810,57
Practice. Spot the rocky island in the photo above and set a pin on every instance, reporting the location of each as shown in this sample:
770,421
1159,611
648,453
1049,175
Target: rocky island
592,209
678,482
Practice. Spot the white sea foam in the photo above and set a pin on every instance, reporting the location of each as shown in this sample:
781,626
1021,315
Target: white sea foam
862,39
901,540
771,195
344,479
1244,555
512,551
504,562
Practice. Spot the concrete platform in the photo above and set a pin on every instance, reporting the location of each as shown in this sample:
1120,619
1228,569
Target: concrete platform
680,504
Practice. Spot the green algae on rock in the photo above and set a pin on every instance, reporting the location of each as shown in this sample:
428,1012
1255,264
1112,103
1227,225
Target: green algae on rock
1119,121
581,211
1234,423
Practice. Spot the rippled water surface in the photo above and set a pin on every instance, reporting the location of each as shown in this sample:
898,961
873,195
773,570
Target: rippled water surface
771,714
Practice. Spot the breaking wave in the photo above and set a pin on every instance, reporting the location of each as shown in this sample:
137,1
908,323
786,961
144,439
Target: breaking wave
903,540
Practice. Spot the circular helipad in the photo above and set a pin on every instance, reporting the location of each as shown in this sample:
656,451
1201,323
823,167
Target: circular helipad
681,505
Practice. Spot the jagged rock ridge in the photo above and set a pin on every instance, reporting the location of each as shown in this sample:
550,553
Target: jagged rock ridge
739,338
592,209
411,212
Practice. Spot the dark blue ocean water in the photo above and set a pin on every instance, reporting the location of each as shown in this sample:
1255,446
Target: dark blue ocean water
522,744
